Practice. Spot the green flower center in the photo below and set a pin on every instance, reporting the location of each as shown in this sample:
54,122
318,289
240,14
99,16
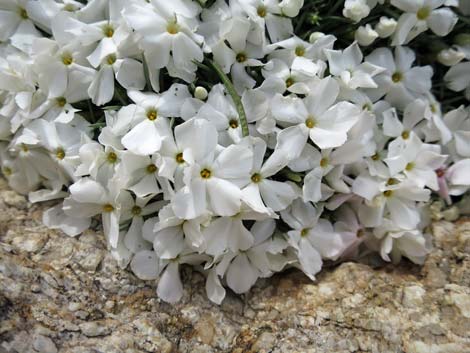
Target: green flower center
108,31
261,10
423,13
300,51
397,77
111,157
310,123
289,82
409,166
111,59
172,28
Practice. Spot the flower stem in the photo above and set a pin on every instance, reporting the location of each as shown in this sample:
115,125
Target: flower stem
233,93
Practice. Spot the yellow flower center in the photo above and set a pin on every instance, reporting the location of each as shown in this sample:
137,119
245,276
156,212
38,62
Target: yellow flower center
111,59
388,193
405,135
256,178
61,101
108,30
397,77
241,57
172,28
233,123
179,158
393,181
376,157
324,162
206,173
409,166
310,123
152,114
289,82
108,208
261,11
423,13
60,153
24,148
112,157
23,13
300,51
151,168
304,232
136,210
67,59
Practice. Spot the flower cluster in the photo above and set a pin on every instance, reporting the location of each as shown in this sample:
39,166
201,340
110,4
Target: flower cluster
236,136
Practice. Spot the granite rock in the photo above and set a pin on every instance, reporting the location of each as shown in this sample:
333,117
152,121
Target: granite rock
67,295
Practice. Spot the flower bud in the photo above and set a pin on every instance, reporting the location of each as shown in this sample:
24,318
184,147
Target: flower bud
386,27
450,57
315,36
365,35
356,10
200,93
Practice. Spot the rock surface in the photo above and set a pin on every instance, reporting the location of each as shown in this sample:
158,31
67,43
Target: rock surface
67,295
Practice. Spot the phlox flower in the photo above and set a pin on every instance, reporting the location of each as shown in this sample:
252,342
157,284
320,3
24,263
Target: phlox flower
419,15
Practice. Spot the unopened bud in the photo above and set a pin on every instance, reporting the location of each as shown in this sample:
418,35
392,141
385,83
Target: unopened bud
356,10
365,35
315,36
200,93
450,57
386,27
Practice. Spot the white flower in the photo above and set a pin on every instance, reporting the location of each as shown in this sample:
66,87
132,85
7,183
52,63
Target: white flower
213,178
400,82
274,15
393,196
150,119
450,57
239,54
317,116
419,15
386,27
397,242
312,237
347,65
458,78
89,198
167,27
356,10
365,35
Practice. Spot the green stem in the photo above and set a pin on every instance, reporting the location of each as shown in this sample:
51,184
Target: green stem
233,93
